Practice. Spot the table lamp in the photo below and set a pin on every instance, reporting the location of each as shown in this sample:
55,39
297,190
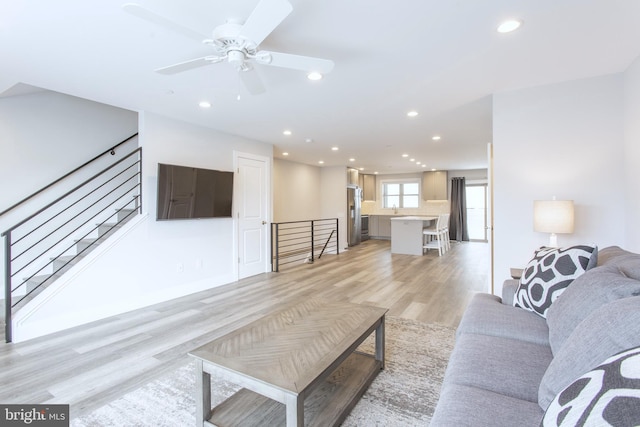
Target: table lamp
553,216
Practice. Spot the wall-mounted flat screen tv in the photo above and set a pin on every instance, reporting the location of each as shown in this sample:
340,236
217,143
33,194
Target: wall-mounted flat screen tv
186,192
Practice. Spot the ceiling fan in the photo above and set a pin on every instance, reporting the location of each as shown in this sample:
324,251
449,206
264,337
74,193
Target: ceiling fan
238,44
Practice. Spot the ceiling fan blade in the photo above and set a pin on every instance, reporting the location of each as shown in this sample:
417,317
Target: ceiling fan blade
297,62
251,80
189,65
267,15
154,18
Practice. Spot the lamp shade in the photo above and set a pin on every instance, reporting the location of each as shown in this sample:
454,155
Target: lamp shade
553,216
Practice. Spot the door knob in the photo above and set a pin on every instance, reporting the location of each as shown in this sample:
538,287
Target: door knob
264,222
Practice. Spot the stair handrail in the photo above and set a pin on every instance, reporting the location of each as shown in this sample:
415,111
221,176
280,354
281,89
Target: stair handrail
46,187
85,182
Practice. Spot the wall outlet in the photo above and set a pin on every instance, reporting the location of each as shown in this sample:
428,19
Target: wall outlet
180,267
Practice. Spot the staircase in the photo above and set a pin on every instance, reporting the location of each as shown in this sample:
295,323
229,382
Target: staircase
49,242
63,263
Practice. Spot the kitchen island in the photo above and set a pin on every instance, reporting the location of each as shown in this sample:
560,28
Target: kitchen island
406,233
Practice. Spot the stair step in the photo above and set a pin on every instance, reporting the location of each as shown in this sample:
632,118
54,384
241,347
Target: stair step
63,263
125,214
82,245
106,228
35,281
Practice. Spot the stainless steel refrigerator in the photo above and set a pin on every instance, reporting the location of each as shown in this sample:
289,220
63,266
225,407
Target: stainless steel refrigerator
354,230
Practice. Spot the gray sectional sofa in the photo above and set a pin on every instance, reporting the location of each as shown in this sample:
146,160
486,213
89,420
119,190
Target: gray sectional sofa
513,367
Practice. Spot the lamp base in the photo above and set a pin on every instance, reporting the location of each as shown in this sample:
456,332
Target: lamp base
553,240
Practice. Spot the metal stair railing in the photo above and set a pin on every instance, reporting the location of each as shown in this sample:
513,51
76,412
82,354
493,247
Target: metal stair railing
42,246
296,241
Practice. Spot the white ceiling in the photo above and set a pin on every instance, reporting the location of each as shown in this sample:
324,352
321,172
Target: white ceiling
442,58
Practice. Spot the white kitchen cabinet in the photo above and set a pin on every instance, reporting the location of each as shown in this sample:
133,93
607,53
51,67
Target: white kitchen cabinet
373,225
352,177
368,187
368,184
380,226
434,185
384,226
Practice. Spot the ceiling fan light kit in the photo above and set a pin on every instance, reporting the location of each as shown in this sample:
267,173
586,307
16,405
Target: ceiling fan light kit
238,44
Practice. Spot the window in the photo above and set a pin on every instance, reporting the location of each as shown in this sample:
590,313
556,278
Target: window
401,194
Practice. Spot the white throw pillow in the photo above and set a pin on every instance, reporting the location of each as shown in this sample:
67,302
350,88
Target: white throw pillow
608,395
549,273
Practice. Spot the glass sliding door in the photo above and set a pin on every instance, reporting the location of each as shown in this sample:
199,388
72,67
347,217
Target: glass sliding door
477,212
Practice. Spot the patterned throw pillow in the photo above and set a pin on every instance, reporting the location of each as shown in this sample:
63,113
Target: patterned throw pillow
609,395
548,274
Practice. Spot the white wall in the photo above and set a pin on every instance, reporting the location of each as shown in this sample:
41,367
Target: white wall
44,135
143,267
296,195
563,140
632,155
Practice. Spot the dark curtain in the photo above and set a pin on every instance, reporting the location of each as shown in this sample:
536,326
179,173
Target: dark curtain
458,223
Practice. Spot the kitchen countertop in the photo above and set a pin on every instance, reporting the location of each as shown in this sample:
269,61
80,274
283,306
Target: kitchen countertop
414,218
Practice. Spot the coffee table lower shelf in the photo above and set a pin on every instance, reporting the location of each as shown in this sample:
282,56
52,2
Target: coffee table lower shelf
327,405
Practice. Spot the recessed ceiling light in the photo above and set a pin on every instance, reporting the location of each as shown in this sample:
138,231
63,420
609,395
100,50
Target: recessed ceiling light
412,113
417,163
334,148
361,169
375,173
321,162
424,166
308,140
204,104
509,26
352,160
286,132
436,138
433,170
314,76
285,154
412,160
405,155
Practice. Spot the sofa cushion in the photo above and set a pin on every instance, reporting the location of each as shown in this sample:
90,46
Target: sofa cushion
501,365
606,395
509,288
611,255
608,330
593,289
464,406
548,274
486,315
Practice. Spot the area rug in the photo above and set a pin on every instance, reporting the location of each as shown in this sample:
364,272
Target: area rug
404,394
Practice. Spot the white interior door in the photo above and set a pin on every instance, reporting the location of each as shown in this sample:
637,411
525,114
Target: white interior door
251,199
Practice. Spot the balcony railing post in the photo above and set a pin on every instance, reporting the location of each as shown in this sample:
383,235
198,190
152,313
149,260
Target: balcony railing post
7,288
312,241
277,243
337,237
139,198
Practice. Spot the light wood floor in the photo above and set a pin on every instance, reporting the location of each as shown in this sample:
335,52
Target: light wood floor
94,364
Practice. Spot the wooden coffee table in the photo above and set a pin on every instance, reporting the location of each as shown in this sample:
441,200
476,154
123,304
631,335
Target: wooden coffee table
297,366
